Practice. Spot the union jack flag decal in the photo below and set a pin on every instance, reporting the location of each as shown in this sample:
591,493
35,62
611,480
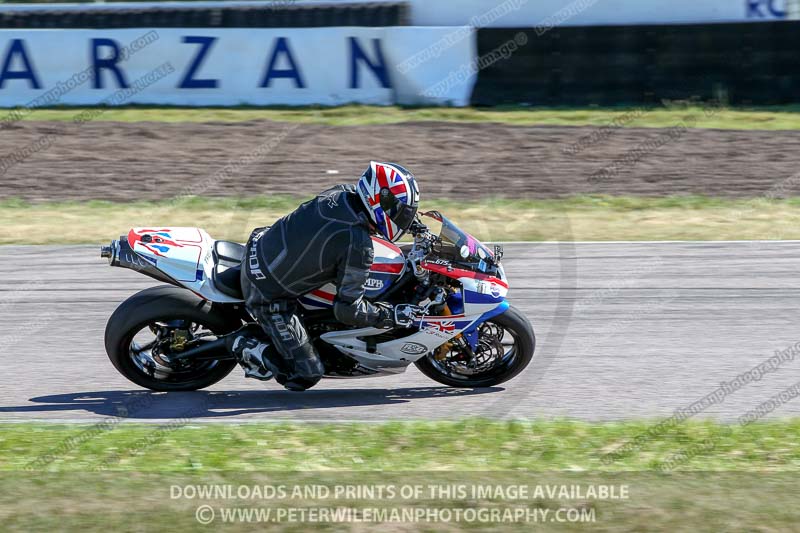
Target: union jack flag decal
444,327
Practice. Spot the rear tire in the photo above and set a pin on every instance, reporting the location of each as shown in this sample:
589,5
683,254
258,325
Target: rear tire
513,322
164,303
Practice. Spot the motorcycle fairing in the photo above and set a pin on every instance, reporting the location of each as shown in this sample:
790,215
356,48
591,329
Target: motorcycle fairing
483,297
388,266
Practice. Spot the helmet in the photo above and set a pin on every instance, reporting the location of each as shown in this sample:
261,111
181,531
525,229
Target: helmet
391,196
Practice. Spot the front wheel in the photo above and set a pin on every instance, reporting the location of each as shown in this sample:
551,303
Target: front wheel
148,328
505,347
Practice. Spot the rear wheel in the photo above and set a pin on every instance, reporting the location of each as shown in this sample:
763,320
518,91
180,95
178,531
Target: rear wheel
505,347
150,327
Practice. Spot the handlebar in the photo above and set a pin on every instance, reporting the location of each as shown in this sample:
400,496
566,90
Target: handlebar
423,244
417,227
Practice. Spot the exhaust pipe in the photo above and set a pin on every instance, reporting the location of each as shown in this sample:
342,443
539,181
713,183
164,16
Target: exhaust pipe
110,252
120,254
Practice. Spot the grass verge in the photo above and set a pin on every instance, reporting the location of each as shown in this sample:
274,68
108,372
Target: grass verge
743,478
595,218
471,445
769,118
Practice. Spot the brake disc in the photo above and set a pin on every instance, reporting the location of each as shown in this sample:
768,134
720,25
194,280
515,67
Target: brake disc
488,351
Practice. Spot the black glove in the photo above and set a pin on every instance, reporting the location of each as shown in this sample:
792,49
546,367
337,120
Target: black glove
405,314
399,316
385,316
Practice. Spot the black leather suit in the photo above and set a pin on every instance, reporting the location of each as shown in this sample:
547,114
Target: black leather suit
326,239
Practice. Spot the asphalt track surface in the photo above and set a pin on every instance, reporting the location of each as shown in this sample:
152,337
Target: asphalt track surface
624,330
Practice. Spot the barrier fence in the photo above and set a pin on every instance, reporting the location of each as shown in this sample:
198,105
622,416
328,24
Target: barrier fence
739,64
237,66
510,13
275,14
353,60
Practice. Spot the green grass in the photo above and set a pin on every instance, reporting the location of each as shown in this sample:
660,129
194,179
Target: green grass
132,477
472,445
768,118
589,218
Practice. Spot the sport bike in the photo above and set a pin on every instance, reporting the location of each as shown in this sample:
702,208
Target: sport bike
463,332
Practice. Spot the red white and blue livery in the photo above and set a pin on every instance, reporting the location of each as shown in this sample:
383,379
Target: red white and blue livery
464,333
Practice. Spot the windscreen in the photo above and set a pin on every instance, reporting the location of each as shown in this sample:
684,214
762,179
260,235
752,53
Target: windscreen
452,234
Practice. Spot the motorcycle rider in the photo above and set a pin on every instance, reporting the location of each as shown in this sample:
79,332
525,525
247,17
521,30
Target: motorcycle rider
325,240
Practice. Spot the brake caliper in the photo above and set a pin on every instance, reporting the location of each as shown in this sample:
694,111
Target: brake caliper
441,352
178,340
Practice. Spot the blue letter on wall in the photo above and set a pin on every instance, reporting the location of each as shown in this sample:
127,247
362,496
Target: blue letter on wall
378,67
109,63
293,72
189,81
754,9
17,48
776,11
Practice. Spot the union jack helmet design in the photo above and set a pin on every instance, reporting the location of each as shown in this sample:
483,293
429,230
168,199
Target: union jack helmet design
391,196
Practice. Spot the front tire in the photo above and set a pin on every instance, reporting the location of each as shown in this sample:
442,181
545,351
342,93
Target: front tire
507,366
149,309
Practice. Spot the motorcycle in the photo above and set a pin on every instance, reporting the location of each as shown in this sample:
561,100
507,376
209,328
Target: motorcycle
464,334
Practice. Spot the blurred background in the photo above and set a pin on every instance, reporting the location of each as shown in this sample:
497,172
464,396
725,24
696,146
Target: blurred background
544,100
584,52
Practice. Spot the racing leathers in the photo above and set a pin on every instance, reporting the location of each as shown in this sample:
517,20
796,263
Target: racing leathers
325,240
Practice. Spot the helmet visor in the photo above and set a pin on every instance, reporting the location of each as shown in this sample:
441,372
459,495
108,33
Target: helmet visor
403,215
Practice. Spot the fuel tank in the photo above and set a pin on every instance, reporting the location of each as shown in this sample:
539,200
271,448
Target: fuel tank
387,267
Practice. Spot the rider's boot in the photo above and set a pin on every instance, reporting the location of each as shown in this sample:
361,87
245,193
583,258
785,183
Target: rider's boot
250,352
